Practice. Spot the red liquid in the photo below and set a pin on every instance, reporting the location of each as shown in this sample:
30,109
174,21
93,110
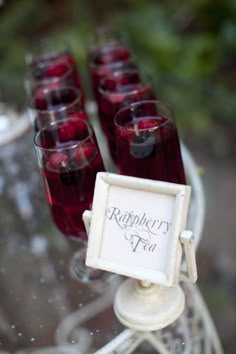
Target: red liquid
153,153
69,193
66,58
69,175
105,60
115,94
56,105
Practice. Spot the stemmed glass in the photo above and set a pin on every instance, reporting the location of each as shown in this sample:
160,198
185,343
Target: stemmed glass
49,105
69,159
147,142
116,90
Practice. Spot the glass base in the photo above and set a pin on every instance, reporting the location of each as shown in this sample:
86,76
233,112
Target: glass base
94,278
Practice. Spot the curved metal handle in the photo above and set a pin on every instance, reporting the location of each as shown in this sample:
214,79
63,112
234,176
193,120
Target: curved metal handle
186,239
87,215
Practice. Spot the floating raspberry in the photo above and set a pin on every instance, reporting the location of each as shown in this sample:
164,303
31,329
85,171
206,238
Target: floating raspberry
67,132
81,127
148,124
116,98
56,70
58,160
82,115
85,154
127,134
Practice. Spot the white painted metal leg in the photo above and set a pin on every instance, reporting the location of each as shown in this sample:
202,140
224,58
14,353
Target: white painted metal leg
124,339
79,317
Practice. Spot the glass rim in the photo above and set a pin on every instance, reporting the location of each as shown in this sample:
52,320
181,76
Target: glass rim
32,59
52,78
48,56
94,48
60,121
144,85
46,45
54,89
156,102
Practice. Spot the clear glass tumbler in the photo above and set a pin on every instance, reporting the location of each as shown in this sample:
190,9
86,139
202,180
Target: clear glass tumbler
147,142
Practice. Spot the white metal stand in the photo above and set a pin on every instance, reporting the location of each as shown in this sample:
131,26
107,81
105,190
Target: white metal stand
143,306
193,333
147,308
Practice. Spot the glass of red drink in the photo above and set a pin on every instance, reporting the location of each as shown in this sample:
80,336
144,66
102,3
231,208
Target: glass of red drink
54,56
116,90
147,142
69,159
107,58
49,75
50,105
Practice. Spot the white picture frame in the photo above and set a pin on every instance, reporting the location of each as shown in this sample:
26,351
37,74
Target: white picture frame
135,226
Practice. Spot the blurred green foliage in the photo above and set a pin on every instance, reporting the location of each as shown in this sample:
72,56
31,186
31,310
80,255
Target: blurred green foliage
189,47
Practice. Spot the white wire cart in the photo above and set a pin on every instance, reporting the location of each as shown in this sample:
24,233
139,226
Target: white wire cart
193,333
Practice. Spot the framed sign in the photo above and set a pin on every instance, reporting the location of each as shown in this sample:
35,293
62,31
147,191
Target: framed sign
135,227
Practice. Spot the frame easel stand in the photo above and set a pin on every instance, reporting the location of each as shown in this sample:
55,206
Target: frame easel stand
144,307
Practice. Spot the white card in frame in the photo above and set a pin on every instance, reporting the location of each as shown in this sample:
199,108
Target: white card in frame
135,226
